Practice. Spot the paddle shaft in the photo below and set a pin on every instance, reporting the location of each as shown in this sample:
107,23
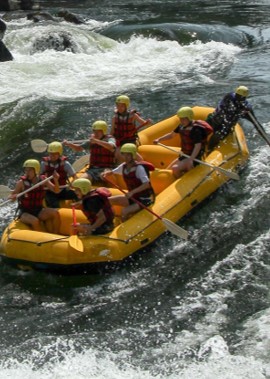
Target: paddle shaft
28,190
232,175
170,225
40,146
133,198
259,128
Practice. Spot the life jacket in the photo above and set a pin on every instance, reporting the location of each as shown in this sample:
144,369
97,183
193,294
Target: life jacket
133,182
33,199
100,156
57,166
125,128
187,143
104,194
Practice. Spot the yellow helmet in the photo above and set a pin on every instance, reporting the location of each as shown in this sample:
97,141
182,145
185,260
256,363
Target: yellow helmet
32,163
185,112
83,184
123,99
129,148
242,91
55,147
100,125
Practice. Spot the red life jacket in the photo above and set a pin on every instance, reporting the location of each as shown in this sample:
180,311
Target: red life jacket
102,193
100,156
124,127
58,166
133,182
187,143
33,199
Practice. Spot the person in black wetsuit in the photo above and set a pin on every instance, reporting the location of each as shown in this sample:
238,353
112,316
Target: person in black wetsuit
230,109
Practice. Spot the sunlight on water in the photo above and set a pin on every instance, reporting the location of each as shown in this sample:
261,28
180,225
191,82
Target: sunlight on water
101,365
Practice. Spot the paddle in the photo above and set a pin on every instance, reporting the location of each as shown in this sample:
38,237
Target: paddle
26,191
4,191
81,162
76,244
171,226
259,128
74,241
230,174
40,146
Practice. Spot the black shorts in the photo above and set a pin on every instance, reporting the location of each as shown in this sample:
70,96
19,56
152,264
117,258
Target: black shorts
145,200
53,199
34,211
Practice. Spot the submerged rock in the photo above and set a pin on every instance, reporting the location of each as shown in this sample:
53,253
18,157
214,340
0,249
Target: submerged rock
59,41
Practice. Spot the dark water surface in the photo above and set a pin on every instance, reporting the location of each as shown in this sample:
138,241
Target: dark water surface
195,309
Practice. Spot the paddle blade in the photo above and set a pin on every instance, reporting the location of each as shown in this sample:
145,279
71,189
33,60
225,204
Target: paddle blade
230,174
38,145
80,163
76,243
4,191
175,229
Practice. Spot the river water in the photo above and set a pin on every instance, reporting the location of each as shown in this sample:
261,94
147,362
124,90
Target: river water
183,309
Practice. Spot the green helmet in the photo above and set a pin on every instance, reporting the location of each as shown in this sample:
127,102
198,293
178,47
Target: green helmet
185,112
100,125
55,147
83,184
129,148
242,91
32,163
123,99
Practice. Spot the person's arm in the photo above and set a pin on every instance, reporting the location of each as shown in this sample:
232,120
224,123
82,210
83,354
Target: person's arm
73,146
142,175
110,145
197,148
165,137
141,188
18,189
141,121
86,229
53,186
71,173
197,135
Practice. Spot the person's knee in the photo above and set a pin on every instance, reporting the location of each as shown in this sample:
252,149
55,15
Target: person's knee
35,224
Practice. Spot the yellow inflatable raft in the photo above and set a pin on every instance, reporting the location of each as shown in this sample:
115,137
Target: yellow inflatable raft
174,199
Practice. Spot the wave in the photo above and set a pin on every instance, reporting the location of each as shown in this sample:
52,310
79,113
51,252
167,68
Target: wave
183,33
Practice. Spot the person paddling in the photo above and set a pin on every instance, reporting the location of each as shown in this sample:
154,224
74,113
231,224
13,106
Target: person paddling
30,205
102,148
193,135
95,206
230,109
56,161
136,177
